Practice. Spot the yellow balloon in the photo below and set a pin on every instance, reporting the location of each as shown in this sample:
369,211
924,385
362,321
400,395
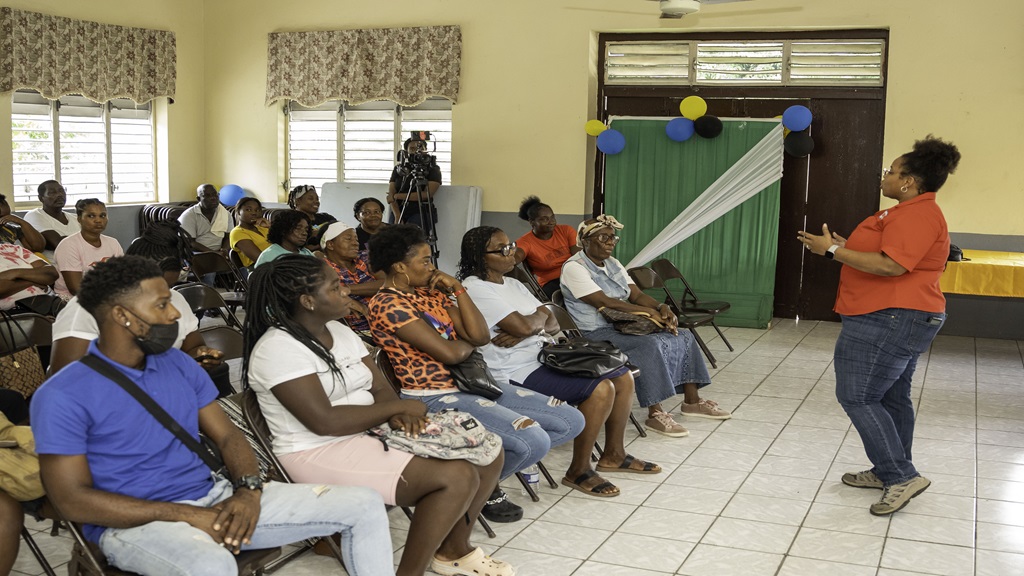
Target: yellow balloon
693,107
595,127
785,131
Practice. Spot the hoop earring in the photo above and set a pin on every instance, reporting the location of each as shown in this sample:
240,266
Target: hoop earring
408,283
903,189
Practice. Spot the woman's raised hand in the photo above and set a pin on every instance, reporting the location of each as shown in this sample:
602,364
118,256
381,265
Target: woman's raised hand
443,282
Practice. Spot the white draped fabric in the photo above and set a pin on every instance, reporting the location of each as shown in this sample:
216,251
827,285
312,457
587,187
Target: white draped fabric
752,173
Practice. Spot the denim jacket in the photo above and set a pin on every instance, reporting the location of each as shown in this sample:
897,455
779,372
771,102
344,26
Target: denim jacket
614,282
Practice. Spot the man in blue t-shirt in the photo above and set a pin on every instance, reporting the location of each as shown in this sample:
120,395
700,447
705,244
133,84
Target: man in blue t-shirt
151,503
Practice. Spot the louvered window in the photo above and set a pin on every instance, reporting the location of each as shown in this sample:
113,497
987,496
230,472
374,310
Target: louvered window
103,151
647,63
360,143
837,62
746,62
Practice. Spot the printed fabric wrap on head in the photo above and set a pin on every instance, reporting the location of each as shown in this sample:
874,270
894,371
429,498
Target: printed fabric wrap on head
450,435
584,229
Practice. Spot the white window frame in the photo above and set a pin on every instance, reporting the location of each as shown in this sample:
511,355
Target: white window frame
401,118
28,101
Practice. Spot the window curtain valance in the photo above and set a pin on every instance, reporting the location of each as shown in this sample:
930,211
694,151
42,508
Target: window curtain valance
59,56
403,65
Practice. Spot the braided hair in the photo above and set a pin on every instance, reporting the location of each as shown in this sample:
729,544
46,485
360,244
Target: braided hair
295,191
529,208
163,239
474,243
274,291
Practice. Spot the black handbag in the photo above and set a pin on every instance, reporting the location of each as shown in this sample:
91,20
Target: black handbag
637,324
582,357
472,377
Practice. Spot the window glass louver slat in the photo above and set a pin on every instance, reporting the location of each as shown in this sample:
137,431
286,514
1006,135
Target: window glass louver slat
837,62
647,63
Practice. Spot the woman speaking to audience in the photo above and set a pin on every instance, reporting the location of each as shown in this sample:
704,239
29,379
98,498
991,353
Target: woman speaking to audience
892,308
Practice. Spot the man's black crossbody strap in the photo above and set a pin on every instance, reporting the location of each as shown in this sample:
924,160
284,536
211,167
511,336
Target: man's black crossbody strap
161,415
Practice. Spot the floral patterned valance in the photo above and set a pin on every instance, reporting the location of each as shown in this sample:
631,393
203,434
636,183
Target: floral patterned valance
58,56
404,65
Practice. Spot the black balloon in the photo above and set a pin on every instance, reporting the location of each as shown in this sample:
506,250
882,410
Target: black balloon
799,144
707,126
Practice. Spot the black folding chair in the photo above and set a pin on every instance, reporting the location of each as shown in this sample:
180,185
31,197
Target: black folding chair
201,298
522,273
690,302
228,276
647,279
227,339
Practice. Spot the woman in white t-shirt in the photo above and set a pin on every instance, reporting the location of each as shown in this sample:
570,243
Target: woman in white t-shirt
79,252
517,322
319,391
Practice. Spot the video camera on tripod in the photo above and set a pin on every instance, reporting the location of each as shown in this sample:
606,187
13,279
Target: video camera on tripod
414,171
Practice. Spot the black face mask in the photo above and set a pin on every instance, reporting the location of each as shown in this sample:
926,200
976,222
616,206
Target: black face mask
159,339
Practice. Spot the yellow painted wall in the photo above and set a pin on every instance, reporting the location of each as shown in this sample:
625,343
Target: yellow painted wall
182,121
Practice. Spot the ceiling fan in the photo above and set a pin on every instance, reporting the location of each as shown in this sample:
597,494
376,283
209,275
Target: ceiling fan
679,8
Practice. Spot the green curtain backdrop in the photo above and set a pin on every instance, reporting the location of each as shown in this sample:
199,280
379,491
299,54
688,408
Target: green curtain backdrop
654,178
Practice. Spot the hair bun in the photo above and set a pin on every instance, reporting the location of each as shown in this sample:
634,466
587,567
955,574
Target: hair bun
942,155
524,208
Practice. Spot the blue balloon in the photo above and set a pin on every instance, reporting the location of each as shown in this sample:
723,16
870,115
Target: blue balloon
230,194
797,118
679,129
611,141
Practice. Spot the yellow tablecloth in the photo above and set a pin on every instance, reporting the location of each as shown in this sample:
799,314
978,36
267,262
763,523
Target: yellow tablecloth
986,274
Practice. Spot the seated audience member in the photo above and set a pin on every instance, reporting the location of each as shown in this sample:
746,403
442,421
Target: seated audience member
165,243
50,219
149,502
15,230
319,404
287,234
517,320
249,238
341,250
12,520
669,362
24,277
424,319
208,223
305,199
370,214
78,253
547,245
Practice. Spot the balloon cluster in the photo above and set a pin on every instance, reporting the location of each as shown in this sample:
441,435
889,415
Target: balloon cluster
797,122
695,120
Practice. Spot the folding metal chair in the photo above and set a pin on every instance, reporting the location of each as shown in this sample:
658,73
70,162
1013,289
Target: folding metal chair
201,298
227,339
37,551
690,302
647,279
522,273
231,278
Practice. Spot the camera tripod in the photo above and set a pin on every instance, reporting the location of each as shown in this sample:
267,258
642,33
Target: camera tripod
424,212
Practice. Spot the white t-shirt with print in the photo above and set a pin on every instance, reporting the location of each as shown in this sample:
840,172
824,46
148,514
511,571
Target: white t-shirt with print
278,357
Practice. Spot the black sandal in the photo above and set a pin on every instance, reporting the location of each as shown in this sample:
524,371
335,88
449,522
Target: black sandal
597,490
627,466
500,509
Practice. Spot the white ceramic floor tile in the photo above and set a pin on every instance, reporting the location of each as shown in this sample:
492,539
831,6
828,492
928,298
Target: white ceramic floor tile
928,558
786,487
644,552
795,467
687,499
599,569
589,511
767,509
992,563
794,566
750,535
943,505
927,529
668,524
999,512
550,538
707,560
727,459
846,519
712,478
837,546
1001,490
1001,538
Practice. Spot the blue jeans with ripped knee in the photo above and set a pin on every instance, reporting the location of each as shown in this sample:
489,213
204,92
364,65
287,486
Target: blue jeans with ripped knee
554,421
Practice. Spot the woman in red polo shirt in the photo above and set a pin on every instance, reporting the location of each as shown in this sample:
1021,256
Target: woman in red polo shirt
891,308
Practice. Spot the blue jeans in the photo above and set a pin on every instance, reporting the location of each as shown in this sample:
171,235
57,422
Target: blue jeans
875,358
555,422
289,513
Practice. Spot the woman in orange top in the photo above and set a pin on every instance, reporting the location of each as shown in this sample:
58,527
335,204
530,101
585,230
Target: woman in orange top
891,308
547,245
